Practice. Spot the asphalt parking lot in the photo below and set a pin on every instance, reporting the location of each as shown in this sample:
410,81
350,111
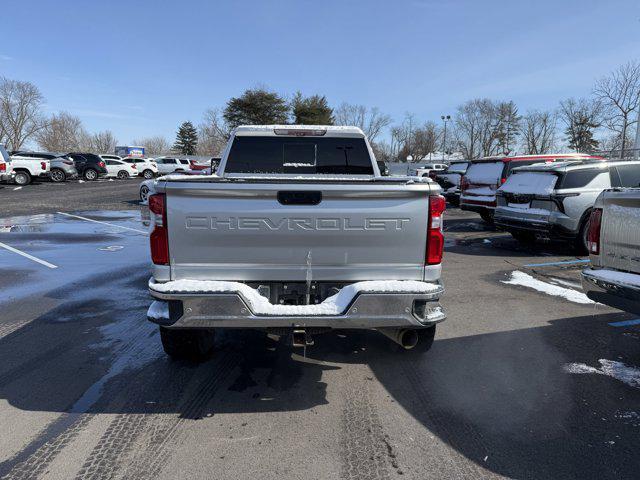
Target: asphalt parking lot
527,378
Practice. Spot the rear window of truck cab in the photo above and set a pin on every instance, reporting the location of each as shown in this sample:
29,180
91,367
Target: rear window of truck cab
299,155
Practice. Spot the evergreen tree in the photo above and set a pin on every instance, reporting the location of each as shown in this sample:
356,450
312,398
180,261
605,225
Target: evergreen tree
508,126
186,139
580,134
312,110
256,107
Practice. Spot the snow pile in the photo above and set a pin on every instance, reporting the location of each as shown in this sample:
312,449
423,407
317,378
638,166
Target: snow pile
333,305
610,368
485,173
530,182
623,278
514,207
526,280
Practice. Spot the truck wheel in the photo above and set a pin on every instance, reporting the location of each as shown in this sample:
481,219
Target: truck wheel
487,216
22,178
187,344
148,174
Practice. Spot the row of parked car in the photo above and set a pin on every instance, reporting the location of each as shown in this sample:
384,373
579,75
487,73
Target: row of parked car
22,167
537,196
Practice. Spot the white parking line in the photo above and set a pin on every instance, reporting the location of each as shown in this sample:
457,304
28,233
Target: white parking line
26,255
104,223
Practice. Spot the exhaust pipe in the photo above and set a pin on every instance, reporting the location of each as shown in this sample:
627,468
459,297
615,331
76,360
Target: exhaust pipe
407,338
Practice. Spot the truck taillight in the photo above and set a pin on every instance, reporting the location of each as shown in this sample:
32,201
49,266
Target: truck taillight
159,238
3,167
464,183
435,238
593,234
43,165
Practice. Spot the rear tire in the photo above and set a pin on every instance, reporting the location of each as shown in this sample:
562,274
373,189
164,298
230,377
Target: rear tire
122,175
188,344
144,193
57,175
22,178
487,216
148,174
90,174
580,242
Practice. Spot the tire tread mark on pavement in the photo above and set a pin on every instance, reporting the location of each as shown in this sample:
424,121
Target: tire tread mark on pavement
450,434
166,432
33,460
115,455
365,447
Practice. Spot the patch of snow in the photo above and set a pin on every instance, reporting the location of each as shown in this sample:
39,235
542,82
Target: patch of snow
478,198
158,310
622,278
530,182
485,172
610,368
80,181
526,280
333,305
17,188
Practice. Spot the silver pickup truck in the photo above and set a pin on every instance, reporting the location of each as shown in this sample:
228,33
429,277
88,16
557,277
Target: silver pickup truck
298,234
614,249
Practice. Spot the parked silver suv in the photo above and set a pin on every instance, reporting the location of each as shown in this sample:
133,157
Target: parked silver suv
555,200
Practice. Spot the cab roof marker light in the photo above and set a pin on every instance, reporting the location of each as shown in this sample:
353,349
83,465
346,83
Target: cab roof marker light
300,132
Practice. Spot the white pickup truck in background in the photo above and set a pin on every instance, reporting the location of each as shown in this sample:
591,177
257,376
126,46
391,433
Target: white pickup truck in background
297,234
26,169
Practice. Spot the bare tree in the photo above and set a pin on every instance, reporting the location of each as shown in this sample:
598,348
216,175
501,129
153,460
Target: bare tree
415,141
619,95
476,134
508,126
20,112
63,133
213,133
154,146
581,119
538,132
102,142
370,120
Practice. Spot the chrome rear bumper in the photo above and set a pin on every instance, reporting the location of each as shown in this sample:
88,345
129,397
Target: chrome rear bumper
231,310
616,294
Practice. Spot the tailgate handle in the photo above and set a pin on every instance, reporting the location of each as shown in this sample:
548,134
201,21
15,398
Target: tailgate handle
299,198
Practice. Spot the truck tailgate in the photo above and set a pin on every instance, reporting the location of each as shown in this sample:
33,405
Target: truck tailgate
250,232
621,230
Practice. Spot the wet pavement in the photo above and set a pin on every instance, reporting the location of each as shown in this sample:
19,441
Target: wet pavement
524,379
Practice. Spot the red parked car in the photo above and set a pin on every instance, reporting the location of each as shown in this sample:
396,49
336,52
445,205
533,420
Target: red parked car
484,176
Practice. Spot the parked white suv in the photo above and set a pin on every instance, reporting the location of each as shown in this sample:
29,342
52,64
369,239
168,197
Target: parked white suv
147,167
120,169
171,164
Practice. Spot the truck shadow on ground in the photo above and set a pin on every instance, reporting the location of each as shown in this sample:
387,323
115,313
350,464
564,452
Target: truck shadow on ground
501,400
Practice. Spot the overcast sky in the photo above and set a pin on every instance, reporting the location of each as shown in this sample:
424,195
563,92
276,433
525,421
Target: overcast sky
140,68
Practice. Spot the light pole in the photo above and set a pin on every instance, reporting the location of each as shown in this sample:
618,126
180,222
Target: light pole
445,119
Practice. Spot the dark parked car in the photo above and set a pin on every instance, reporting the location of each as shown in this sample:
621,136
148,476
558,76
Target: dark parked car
384,170
449,180
62,167
89,165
